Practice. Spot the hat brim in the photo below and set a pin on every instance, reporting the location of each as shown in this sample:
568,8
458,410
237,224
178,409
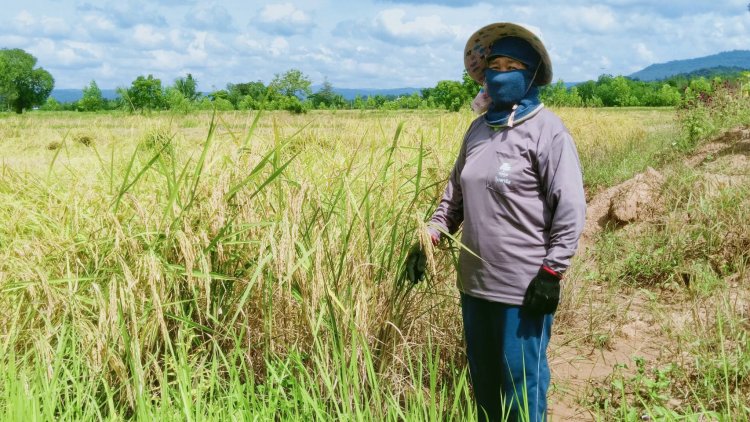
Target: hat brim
478,46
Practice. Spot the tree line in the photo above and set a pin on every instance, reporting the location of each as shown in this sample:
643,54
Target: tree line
24,86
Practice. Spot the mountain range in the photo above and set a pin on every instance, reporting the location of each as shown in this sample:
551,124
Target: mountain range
728,61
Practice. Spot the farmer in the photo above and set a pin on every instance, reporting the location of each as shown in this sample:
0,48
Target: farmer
517,188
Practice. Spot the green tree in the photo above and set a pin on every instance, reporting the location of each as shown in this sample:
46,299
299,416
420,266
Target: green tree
326,97
247,95
587,91
616,91
359,102
176,101
22,86
559,95
405,102
220,93
450,95
51,105
145,93
292,104
293,83
222,104
660,96
92,98
698,87
470,86
187,86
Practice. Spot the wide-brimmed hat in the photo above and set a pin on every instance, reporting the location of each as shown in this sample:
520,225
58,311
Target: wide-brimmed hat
478,46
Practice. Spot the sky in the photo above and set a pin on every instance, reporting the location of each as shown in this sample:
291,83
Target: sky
352,43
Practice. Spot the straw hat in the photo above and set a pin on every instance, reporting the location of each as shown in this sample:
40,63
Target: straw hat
475,53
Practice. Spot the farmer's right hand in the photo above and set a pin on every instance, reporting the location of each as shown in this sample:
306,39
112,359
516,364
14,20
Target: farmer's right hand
416,263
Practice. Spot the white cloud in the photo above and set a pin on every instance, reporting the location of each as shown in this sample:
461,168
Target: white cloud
260,47
598,19
244,42
13,41
54,27
325,55
643,53
99,28
448,3
126,13
279,46
147,36
26,23
65,55
283,19
392,25
106,70
213,17
201,52
24,20
179,38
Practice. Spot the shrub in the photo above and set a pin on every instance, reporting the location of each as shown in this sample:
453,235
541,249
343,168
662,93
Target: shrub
704,112
176,101
51,105
223,104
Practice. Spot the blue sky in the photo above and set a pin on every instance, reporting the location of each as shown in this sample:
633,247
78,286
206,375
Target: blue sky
354,44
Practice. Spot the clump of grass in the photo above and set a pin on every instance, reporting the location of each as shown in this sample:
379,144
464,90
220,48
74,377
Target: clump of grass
158,138
615,146
54,145
85,140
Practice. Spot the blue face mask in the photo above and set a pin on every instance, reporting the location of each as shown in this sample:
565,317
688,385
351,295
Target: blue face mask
507,88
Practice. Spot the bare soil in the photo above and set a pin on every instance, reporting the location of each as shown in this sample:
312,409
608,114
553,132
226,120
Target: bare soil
635,322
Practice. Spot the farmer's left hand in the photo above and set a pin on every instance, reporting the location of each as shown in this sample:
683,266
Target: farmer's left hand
543,294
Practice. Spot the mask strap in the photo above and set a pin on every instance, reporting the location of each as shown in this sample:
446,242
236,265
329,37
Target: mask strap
533,78
512,115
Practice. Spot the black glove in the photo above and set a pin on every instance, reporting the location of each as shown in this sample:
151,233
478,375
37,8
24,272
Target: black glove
543,293
416,263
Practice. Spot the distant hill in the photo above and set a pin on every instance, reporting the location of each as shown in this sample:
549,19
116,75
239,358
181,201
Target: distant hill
735,60
65,95
712,71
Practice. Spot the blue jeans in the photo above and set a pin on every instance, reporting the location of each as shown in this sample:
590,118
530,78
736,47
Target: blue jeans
507,352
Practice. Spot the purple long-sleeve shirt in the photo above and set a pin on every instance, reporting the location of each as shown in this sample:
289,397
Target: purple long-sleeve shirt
519,194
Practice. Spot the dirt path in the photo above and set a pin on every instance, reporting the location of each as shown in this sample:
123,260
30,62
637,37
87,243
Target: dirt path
581,359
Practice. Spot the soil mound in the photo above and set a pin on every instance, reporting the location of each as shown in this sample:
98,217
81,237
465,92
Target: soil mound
637,199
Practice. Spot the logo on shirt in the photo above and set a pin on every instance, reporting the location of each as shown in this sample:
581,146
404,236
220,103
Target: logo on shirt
503,173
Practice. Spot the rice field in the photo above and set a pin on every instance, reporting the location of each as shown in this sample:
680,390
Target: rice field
245,266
